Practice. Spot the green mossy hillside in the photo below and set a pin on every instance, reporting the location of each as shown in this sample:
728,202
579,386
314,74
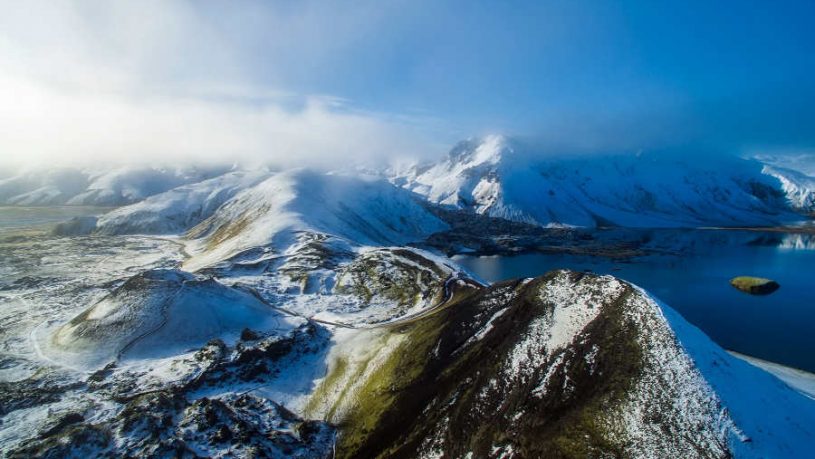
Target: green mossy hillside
445,382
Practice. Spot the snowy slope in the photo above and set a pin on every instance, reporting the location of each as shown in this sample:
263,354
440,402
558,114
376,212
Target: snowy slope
96,187
773,419
564,365
463,178
798,186
131,184
497,177
800,162
161,313
179,209
365,211
28,188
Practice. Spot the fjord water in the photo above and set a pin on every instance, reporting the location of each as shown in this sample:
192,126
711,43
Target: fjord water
691,270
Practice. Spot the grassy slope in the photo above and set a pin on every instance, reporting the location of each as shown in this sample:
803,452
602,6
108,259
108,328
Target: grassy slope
432,378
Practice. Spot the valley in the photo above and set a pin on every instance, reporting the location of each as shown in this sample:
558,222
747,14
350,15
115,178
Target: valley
305,314
407,230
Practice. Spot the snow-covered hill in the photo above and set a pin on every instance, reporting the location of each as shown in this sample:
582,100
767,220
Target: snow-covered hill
50,187
269,350
179,209
500,178
95,187
162,313
364,211
798,186
564,365
318,243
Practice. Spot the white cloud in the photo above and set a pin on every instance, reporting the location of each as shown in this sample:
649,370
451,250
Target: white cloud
43,124
153,81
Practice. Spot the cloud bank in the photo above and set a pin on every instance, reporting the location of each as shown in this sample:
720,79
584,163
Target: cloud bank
334,82
42,124
113,82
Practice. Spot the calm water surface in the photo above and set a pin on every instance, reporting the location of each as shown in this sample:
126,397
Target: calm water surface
24,217
693,279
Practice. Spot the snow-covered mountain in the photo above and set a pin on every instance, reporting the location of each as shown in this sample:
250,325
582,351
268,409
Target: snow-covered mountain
305,232
50,187
96,187
288,314
161,313
493,176
178,209
498,177
296,322
243,211
564,365
362,210
798,187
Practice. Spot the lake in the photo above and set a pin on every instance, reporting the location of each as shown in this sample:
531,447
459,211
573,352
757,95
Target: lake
690,271
12,217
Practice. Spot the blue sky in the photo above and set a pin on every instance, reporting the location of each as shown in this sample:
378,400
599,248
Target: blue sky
374,77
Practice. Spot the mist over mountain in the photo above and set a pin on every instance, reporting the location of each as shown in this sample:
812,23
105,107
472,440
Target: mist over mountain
492,175
407,229
503,178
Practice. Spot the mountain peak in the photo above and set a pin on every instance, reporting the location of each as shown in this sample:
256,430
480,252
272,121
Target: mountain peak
475,151
496,176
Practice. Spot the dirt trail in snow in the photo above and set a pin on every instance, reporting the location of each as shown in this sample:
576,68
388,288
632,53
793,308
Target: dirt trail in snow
182,247
34,339
449,293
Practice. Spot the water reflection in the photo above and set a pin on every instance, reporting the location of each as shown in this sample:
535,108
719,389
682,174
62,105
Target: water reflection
798,242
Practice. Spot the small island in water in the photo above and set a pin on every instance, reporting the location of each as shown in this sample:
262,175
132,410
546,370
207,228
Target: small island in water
754,285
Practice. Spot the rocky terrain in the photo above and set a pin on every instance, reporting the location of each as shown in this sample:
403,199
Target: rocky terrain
310,314
565,365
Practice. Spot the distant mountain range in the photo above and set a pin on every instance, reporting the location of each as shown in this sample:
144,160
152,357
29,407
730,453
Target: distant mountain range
319,290
494,176
497,177
96,187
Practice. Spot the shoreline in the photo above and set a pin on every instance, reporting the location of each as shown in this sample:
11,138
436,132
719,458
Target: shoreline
801,381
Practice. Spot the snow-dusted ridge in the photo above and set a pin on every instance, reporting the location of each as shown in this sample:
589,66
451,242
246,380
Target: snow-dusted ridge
162,313
798,187
113,186
177,210
501,178
566,364
300,310
363,210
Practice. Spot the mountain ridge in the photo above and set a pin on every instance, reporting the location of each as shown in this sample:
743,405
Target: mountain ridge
498,177
565,365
